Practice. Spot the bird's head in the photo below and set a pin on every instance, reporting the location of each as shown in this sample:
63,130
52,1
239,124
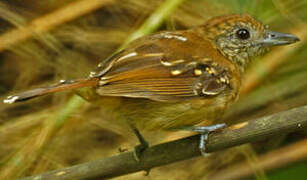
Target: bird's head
241,37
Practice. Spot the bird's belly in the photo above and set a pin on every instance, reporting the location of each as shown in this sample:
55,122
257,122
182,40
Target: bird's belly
151,115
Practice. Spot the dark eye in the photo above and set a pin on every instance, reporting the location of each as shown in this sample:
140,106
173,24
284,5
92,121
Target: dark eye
243,34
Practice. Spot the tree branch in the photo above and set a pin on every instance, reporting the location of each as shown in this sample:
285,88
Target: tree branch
185,148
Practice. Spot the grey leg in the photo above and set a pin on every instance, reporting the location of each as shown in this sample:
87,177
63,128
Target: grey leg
204,131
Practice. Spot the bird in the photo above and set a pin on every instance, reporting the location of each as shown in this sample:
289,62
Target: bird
175,80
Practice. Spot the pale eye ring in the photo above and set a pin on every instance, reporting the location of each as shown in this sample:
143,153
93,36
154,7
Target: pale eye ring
243,34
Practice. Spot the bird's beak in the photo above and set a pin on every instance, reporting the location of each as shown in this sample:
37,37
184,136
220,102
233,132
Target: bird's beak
277,39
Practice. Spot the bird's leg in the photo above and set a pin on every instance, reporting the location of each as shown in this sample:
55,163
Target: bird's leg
204,131
142,146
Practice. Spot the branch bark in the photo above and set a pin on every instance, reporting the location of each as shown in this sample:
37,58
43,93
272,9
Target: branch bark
124,163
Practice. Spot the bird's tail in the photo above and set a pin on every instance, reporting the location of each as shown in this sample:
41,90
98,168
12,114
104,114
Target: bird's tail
63,85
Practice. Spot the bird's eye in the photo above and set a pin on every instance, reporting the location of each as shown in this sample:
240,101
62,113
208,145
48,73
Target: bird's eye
243,34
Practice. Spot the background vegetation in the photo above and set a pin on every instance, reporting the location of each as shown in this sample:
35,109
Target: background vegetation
39,47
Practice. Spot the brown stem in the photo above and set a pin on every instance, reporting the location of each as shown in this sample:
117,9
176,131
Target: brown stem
272,160
185,148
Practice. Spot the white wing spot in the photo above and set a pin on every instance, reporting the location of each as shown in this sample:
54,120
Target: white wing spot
153,54
60,173
167,63
92,74
197,72
222,79
195,92
176,72
172,36
127,56
10,99
208,92
100,64
62,81
101,82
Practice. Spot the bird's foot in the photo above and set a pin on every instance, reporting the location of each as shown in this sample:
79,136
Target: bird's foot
205,131
121,150
139,149
137,153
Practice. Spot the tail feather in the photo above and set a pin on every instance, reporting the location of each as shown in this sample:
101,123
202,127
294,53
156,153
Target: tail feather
61,86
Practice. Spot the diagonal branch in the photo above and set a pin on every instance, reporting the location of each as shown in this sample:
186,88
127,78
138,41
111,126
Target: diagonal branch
124,163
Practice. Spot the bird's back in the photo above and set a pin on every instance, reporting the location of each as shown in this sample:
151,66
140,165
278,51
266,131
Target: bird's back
169,79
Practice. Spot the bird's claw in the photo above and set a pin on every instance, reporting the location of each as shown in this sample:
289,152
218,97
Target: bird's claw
204,136
147,172
139,149
121,150
205,131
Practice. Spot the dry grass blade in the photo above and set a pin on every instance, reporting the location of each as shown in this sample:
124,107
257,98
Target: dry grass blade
21,160
268,64
276,159
50,21
155,19
263,96
55,122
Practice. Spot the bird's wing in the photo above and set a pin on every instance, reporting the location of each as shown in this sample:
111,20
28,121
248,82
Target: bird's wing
153,72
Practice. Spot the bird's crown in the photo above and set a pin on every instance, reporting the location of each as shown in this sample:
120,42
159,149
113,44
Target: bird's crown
221,24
